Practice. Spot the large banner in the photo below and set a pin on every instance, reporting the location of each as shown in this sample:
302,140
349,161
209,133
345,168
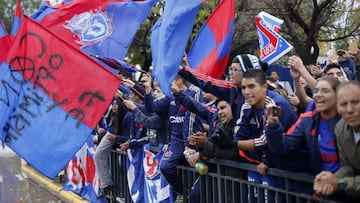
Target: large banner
52,96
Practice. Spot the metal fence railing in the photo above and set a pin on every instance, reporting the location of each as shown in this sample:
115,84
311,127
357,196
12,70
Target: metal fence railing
224,182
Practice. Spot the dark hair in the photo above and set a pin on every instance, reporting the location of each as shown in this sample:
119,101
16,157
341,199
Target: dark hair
330,66
259,75
269,78
220,100
276,72
248,61
334,83
179,77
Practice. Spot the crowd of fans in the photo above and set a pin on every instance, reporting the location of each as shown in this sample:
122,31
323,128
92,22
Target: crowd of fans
248,118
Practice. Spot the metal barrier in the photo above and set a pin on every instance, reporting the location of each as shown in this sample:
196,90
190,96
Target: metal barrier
225,182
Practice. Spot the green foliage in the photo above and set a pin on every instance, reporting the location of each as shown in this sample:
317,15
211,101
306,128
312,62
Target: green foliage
7,9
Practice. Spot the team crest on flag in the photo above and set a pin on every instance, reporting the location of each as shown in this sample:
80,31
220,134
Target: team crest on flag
150,165
272,45
90,27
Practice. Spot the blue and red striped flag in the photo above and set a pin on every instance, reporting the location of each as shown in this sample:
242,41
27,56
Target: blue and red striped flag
5,42
105,28
210,50
169,38
18,17
272,45
53,96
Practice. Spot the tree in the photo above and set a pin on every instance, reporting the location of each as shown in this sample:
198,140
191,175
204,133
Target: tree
307,22
7,10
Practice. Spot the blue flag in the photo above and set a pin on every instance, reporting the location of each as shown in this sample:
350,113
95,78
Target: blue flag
135,174
169,38
104,28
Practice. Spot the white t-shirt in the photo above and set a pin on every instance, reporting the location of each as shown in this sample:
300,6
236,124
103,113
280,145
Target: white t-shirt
356,137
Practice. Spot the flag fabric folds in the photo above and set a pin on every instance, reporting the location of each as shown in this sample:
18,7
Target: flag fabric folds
53,96
17,20
272,45
116,63
135,174
169,38
157,190
210,50
104,28
273,22
81,176
5,43
47,7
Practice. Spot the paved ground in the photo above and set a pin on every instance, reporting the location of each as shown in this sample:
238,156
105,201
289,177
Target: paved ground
52,186
32,186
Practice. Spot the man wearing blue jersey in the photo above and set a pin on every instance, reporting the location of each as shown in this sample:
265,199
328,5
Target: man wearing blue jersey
229,91
182,122
252,120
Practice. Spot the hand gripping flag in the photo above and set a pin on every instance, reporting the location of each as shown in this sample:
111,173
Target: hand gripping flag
169,38
104,28
5,43
52,96
81,176
210,50
272,45
18,17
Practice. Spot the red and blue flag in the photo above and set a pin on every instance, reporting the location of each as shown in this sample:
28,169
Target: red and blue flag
18,17
105,28
169,38
272,45
53,96
47,7
5,42
157,190
210,50
273,22
81,176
